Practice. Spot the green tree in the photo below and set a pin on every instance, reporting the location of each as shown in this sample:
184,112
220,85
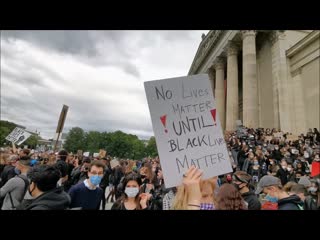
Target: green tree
151,148
92,140
32,141
119,145
138,150
75,140
5,129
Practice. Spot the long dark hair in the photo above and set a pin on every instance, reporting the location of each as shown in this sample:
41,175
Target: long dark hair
130,177
229,198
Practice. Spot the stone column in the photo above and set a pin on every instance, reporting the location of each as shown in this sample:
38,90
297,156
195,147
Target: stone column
250,84
298,104
279,80
211,74
232,88
219,92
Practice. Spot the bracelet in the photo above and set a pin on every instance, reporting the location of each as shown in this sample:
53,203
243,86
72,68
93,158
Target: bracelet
194,205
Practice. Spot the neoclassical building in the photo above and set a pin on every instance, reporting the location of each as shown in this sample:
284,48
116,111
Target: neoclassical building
265,78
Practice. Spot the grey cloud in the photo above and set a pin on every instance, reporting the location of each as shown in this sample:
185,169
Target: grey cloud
39,106
72,42
83,45
29,78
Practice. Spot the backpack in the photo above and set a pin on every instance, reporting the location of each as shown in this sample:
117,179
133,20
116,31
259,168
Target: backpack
26,182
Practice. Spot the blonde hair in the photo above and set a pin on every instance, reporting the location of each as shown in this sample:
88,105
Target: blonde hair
287,187
129,167
52,160
181,199
148,172
4,158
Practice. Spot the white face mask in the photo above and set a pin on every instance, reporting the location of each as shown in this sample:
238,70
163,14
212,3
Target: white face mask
289,169
131,191
312,189
284,167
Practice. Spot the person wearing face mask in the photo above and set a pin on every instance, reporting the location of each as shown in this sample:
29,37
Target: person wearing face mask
88,194
314,191
15,188
241,180
248,162
309,202
291,173
283,173
273,167
255,171
43,189
131,198
271,186
276,154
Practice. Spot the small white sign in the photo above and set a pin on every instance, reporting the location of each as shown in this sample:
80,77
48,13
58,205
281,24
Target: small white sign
18,136
187,127
86,154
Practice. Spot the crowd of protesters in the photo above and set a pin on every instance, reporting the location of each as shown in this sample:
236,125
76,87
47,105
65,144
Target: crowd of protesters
271,171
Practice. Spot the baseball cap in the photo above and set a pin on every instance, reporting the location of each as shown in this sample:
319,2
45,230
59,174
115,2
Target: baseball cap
267,181
304,181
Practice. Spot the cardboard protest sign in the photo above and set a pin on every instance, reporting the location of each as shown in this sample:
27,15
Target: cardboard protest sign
62,118
187,127
114,163
292,137
79,153
18,136
86,154
95,155
102,153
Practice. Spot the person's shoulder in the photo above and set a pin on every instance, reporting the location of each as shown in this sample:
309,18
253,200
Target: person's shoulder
14,180
77,187
99,190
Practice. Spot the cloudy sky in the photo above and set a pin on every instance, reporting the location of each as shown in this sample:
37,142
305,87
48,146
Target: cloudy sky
98,74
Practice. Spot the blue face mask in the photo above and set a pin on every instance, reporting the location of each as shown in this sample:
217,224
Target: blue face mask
271,199
95,180
17,171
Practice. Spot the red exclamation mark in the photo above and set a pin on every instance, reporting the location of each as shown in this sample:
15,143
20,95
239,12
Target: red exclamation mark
213,113
163,120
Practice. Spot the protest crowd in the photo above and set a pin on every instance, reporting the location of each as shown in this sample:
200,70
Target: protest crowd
272,170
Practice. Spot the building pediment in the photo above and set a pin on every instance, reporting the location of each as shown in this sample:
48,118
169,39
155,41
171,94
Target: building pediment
204,48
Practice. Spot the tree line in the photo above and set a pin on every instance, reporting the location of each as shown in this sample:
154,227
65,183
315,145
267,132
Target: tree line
117,144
